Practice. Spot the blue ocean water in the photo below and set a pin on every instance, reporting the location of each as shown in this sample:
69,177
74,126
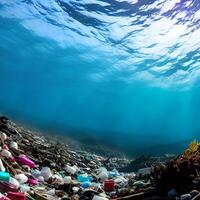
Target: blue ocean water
123,72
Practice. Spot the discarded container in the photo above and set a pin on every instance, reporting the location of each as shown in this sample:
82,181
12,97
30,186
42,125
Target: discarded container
4,176
22,178
109,185
26,161
46,173
16,196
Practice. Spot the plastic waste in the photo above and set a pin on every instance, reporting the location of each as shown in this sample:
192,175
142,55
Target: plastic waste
46,173
2,168
22,178
185,197
86,184
2,197
26,161
84,178
57,179
3,136
4,176
6,153
71,169
16,196
103,174
40,178
139,183
96,197
14,182
5,187
24,188
33,182
67,179
13,145
109,185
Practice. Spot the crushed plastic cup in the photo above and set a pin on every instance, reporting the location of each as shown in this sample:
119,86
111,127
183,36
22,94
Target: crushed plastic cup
22,178
26,161
46,173
6,153
4,176
13,145
2,168
16,196
14,182
67,179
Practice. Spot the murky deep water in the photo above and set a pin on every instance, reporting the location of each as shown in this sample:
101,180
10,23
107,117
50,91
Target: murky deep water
125,73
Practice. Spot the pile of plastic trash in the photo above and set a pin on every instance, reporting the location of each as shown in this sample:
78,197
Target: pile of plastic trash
37,167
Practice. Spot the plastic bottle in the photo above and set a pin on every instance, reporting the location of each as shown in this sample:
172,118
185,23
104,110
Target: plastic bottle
26,161
4,176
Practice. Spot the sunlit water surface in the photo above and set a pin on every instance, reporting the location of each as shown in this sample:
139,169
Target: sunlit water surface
125,73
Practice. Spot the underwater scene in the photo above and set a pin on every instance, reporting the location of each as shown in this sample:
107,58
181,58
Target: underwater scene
122,75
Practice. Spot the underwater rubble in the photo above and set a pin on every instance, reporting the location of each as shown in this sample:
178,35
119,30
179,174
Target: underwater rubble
34,166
